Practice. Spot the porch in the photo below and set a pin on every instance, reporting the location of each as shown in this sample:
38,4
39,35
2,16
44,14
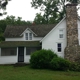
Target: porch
17,51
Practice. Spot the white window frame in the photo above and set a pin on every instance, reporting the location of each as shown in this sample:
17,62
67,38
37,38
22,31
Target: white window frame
61,35
28,36
59,48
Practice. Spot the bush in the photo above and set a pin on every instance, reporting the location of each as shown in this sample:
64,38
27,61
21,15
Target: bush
59,64
75,67
42,58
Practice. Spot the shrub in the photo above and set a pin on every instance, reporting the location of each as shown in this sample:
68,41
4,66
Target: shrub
75,67
59,64
42,58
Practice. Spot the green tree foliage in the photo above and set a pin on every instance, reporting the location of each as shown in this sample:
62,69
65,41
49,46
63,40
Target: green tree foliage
12,20
48,7
74,1
39,19
2,28
3,4
54,10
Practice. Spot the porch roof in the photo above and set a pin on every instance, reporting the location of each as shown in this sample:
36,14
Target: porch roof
20,44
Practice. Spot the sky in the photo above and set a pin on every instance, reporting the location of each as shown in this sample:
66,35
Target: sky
21,8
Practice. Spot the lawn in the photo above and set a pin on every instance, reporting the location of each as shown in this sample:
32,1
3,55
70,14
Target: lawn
26,73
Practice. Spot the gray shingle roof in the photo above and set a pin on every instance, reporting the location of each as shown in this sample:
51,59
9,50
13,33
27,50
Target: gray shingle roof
40,30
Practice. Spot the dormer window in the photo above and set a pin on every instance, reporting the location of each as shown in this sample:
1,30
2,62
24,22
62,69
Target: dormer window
28,36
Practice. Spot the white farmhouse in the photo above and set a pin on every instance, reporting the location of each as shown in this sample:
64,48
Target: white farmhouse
62,38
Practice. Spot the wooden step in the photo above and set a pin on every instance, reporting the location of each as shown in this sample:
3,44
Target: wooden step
20,64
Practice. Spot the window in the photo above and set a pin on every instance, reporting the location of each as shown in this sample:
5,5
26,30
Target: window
31,50
60,33
59,47
28,51
8,51
28,36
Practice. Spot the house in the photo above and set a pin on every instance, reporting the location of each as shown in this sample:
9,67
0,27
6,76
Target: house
62,38
21,41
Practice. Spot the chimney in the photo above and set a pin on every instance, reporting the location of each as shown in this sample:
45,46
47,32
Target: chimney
72,50
72,27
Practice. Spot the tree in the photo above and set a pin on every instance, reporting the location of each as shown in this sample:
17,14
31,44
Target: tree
47,6
2,28
12,20
3,4
74,1
53,9
39,19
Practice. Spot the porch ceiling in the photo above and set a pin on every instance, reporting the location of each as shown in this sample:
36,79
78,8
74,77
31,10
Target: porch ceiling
20,44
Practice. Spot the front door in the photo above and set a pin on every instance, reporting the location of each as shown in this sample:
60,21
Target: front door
20,54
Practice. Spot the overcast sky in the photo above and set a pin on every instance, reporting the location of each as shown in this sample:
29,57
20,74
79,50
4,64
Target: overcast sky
21,8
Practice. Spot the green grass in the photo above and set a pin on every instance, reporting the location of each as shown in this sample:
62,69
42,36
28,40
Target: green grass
26,73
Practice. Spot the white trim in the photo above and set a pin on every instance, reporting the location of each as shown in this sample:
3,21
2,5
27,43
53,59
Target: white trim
17,54
24,54
0,51
54,28
29,30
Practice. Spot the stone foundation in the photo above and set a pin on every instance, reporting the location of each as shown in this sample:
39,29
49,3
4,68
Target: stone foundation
72,53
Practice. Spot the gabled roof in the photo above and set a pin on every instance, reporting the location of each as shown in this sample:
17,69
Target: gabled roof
54,28
39,30
30,31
